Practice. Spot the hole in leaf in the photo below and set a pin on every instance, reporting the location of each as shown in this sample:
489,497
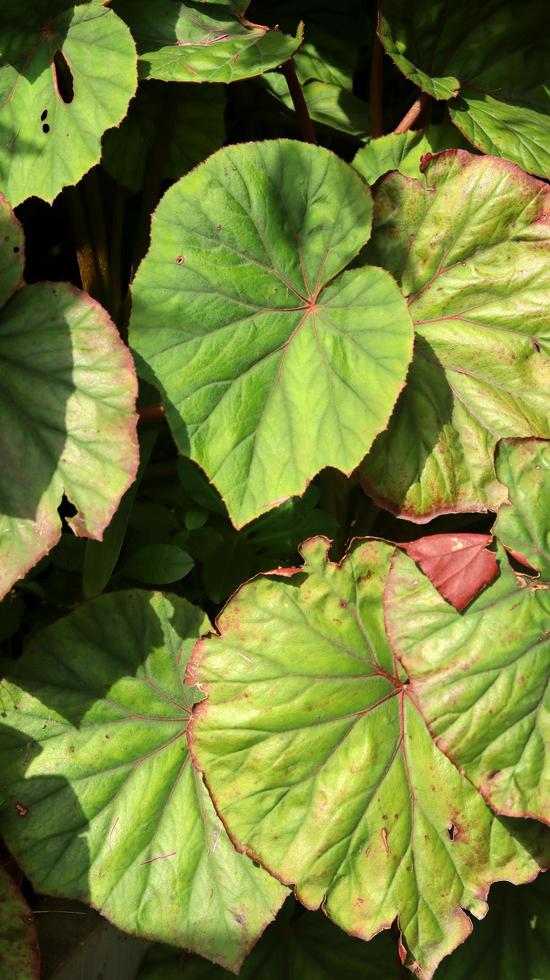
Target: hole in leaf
451,831
180,259
63,77
45,128
16,249
44,115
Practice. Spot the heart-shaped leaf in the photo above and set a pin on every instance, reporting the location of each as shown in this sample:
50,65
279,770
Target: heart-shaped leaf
404,151
192,41
114,814
67,73
271,363
19,956
459,565
481,679
523,525
322,766
67,420
471,248
490,59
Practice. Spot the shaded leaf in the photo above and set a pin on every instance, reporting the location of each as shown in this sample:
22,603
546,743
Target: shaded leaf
192,41
323,768
253,323
523,525
404,151
115,816
459,565
327,103
67,421
158,564
53,128
19,955
481,679
470,247
490,59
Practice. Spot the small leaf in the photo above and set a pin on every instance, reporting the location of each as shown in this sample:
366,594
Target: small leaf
158,564
68,72
19,955
93,747
404,151
481,680
471,248
459,565
523,525
322,766
194,41
269,359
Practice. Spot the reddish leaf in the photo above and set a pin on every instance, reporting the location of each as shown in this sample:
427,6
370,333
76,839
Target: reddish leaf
459,565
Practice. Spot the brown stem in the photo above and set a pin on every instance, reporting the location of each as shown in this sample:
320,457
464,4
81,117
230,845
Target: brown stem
376,115
412,115
151,413
85,256
96,219
299,102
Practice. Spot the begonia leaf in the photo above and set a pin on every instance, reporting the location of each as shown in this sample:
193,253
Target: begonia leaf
272,361
67,420
19,956
523,525
404,151
490,59
67,73
101,802
471,248
323,768
459,565
481,679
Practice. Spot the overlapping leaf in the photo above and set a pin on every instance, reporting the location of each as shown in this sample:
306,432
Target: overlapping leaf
523,526
67,421
482,680
19,956
101,801
471,249
490,59
322,766
459,565
272,363
192,41
326,103
404,151
67,73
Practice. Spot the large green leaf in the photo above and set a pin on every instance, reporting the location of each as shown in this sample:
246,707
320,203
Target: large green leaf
322,767
19,956
192,41
67,421
270,362
471,248
490,59
523,525
482,680
404,151
305,948
50,135
114,814
188,120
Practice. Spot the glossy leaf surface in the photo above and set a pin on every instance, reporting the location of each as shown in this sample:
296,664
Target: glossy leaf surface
471,248
67,422
192,41
268,356
323,768
523,526
19,956
67,73
94,756
490,59
481,679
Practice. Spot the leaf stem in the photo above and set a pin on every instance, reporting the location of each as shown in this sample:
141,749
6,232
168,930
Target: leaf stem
151,413
299,102
85,255
376,112
412,115
96,218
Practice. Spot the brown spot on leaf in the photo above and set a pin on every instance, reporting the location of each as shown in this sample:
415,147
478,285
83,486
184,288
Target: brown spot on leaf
21,809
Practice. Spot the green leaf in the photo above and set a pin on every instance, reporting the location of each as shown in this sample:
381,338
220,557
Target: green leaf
321,765
94,749
404,151
306,948
158,564
196,42
67,421
268,359
512,942
487,703
471,248
51,133
327,103
522,525
189,119
490,60
19,956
